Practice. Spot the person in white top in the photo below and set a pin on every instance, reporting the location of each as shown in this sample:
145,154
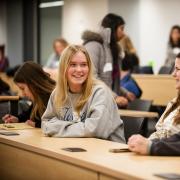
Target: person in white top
58,45
168,124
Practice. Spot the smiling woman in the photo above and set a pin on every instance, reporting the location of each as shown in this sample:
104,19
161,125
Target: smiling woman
77,72
81,106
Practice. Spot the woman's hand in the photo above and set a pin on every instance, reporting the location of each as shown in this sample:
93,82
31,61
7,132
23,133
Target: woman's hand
130,96
30,122
138,144
121,101
10,119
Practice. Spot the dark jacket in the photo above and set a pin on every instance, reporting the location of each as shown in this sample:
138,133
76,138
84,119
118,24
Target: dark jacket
25,115
166,146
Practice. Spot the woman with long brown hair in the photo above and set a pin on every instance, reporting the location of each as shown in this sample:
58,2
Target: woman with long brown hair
36,85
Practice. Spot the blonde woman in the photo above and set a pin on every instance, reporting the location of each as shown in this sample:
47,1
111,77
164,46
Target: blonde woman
81,106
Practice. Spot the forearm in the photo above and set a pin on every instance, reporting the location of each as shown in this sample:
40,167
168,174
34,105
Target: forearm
163,148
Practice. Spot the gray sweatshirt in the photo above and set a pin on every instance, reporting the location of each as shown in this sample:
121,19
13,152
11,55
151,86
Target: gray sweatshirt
98,118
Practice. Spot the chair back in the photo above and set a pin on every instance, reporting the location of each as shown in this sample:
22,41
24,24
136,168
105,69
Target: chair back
165,70
134,125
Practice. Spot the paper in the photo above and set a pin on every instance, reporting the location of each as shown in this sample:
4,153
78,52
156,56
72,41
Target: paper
15,126
107,67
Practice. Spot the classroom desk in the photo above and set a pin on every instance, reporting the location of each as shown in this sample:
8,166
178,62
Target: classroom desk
33,156
140,114
14,88
159,88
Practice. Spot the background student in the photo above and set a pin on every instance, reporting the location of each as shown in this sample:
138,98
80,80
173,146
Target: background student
58,45
36,85
105,53
127,81
173,47
81,106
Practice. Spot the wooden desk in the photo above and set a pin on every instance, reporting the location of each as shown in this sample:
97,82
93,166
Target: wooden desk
134,113
33,156
159,88
9,98
14,88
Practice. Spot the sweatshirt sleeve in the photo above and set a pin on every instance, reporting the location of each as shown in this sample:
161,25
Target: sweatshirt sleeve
101,113
166,146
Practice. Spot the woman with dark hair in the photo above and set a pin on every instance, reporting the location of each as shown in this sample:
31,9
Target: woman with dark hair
127,81
173,46
105,53
36,85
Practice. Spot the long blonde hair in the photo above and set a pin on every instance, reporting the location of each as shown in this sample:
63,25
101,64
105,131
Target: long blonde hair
62,87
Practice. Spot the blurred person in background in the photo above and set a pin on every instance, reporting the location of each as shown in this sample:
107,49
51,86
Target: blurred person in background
173,46
4,63
105,53
58,45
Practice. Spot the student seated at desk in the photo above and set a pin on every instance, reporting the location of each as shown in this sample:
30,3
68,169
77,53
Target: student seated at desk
36,85
169,123
127,81
81,106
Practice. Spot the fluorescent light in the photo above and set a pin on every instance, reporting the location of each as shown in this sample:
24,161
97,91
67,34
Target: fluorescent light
51,4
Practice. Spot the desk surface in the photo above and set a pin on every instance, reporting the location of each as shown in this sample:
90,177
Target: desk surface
9,98
159,88
10,82
134,113
97,158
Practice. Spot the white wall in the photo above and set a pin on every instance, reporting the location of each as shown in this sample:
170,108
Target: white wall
129,10
148,23
79,15
156,19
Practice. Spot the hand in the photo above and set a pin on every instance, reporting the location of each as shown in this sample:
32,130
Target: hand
130,96
30,122
10,119
121,101
138,144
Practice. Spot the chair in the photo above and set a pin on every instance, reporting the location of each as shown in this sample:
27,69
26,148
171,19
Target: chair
134,125
13,103
165,70
143,70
